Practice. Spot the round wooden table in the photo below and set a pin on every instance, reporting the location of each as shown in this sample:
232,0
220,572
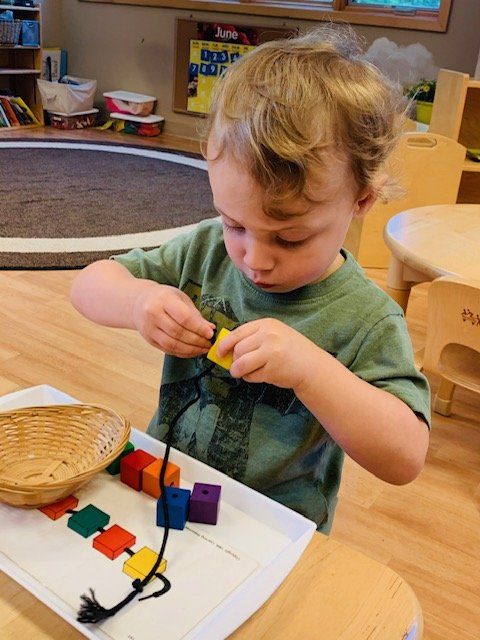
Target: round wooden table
429,242
333,592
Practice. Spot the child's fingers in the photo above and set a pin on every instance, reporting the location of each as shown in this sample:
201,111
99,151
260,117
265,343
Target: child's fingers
248,364
228,343
251,343
176,347
177,332
184,313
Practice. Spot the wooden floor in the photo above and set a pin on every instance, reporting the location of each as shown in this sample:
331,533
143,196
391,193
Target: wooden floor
428,531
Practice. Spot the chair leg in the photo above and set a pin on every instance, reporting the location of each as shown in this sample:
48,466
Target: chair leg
443,400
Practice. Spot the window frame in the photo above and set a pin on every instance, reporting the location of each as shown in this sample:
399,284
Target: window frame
337,11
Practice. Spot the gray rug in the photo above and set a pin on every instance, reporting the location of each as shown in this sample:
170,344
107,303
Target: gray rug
66,207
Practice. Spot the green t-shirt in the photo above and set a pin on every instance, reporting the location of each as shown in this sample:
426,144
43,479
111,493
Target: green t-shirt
260,434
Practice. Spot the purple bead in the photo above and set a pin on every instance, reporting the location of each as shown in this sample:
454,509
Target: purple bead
204,503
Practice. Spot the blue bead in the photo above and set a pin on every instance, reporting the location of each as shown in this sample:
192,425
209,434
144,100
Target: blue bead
178,501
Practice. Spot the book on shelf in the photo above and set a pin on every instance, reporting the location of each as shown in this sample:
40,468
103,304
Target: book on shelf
4,121
14,112
7,107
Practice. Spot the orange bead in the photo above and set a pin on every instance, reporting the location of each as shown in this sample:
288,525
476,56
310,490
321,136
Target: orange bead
151,477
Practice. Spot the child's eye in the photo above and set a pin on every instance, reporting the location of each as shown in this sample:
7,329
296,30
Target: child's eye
291,243
230,227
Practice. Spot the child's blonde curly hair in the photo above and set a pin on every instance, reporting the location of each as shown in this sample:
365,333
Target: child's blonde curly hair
291,105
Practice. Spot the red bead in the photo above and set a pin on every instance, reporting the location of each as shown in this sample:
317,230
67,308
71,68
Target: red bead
131,468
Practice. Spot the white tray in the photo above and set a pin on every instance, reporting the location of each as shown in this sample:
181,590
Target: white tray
265,538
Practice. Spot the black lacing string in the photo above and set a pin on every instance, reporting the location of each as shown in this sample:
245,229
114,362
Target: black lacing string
91,611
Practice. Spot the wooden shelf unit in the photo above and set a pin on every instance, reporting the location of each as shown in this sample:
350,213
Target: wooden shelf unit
14,8
456,114
20,66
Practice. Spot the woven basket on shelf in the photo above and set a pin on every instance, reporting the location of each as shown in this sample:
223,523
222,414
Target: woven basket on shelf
46,453
10,31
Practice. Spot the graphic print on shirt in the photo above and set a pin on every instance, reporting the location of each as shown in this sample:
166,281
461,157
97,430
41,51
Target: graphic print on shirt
236,426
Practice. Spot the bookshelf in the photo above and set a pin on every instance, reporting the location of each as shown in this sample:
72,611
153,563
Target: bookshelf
456,114
20,66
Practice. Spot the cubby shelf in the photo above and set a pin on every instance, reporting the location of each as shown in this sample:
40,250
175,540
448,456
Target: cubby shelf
11,7
20,66
19,72
456,114
17,46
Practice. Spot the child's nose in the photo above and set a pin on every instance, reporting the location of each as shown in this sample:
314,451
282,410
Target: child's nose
257,256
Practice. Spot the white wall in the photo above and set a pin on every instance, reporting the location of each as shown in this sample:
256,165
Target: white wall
52,22
132,47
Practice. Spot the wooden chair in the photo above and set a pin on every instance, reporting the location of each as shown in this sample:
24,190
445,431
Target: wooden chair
352,239
429,168
448,117
452,348
354,234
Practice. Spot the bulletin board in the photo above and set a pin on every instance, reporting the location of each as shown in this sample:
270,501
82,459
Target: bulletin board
204,50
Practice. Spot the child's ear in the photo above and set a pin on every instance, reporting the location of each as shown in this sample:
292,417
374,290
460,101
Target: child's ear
364,203
368,196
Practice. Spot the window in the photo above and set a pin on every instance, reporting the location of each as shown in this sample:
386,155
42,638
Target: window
424,15
401,4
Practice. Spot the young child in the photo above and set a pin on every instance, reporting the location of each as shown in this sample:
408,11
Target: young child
298,137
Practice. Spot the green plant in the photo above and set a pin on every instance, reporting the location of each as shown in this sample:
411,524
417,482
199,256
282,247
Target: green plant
423,90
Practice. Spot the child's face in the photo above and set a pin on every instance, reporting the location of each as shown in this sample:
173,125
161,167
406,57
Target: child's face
282,255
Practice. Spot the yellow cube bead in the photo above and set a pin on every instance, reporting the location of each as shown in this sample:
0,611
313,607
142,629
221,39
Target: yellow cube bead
139,565
227,360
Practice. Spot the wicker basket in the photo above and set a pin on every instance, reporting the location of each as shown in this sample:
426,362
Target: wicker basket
10,31
46,453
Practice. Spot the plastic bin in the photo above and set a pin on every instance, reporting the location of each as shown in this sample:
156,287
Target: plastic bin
150,125
81,120
135,104
67,98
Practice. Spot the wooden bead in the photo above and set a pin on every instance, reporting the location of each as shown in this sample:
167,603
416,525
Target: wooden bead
227,360
177,505
131,468
151,477
205,503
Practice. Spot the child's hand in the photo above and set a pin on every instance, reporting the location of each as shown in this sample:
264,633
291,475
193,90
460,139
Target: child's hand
168,320
269,351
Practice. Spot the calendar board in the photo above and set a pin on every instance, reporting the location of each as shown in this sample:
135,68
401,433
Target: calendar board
204,51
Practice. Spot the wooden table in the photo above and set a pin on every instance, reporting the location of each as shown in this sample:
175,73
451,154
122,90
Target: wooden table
429,242
332,593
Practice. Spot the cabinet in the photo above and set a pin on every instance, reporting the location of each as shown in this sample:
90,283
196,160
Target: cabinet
456,114
20,66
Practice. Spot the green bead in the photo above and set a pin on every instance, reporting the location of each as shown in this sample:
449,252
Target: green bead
114,467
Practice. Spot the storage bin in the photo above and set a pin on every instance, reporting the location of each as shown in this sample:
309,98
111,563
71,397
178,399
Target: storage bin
67,98
81,120
135,104
30,33
10,31
150,125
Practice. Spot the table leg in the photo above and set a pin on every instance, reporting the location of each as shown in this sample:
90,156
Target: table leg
397,287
